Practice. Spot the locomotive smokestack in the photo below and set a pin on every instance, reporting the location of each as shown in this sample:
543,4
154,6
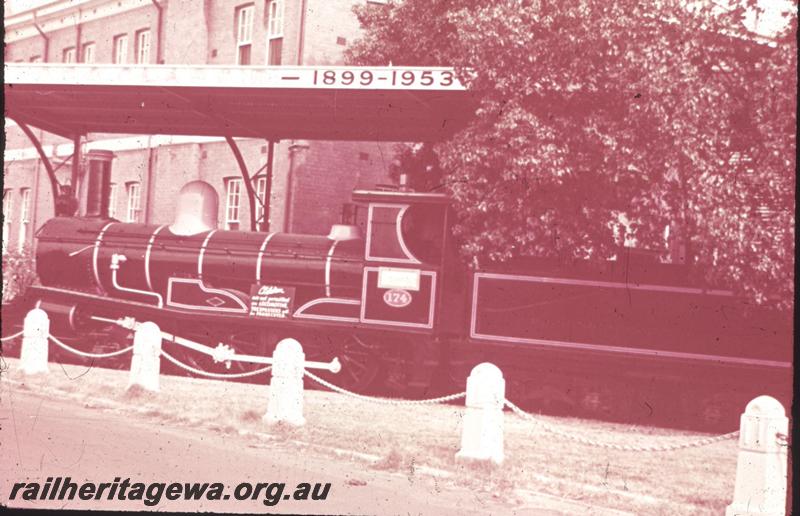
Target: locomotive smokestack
99,183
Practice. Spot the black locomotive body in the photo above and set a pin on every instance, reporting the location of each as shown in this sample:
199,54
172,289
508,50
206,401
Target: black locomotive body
399,307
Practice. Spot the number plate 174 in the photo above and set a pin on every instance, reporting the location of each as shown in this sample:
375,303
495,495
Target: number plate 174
397,298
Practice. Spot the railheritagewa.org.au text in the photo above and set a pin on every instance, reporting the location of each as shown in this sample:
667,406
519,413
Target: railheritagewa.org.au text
152,493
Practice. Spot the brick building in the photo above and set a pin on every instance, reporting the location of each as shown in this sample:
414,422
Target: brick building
148,170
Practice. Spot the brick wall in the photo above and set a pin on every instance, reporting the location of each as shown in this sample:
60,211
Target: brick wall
28,174
185,32
330,27
319,191
23,50
203,32
101,32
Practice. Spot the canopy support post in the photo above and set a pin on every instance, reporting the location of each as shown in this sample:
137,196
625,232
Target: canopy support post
251,195
76,153
74,205
267,201
51,173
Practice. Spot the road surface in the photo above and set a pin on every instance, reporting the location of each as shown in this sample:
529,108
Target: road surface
42,438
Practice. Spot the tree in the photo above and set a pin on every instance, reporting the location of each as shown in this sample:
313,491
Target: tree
593,111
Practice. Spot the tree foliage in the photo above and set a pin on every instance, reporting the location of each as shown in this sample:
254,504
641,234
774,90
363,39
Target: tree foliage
19,273
660,113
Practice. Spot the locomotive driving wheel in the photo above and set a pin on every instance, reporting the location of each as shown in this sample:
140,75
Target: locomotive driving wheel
360,360
601,399
360,363
596,402
717,412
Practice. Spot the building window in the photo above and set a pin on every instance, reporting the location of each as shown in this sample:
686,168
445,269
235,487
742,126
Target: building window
36,59
275,49
121,49
143,46
8,207
88,52
68,55
261,202
233,199
112,200
244,33
134,201
274,31
24,217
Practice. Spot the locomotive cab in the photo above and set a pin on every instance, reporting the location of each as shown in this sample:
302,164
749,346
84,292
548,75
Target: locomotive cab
408,252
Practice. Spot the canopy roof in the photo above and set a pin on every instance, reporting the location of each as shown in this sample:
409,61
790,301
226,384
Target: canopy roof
315,103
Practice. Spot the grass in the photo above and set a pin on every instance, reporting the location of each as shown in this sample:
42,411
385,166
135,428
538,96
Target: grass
410,439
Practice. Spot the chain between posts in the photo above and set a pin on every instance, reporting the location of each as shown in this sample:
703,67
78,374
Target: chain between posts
619,447
213,375
12,337
89,355
442,399
383,401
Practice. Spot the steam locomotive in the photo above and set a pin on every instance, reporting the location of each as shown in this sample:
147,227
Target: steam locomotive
405,315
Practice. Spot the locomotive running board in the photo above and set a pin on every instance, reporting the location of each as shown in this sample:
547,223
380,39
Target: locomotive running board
112,307
120,307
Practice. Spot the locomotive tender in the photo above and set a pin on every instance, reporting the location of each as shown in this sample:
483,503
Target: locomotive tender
400,309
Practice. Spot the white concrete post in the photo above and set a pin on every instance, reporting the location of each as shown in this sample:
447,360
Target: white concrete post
761,469
286,386
146,359
482,433
35,332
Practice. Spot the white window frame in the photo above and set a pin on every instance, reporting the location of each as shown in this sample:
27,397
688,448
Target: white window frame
244,23
245,15
233,201
68,55
89,52
143,46
134,190
8,208
274,13
274,19
24,216
113,191
121,49
261,201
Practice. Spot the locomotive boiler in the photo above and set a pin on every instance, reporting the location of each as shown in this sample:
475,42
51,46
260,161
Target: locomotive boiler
405,315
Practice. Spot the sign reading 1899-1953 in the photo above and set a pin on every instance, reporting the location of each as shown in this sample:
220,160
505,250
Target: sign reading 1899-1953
387,78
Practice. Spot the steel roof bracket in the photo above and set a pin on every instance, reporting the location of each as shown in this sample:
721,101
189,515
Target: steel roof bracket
251,194
51,173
